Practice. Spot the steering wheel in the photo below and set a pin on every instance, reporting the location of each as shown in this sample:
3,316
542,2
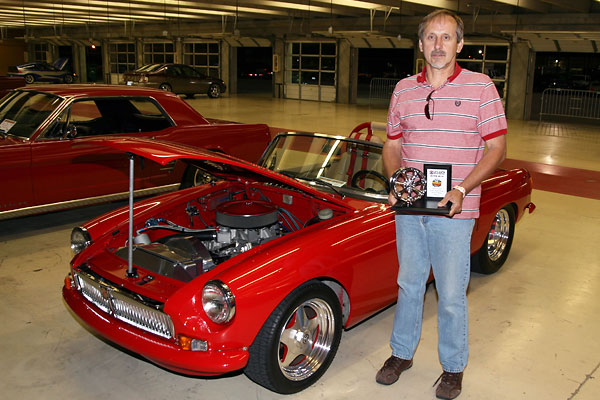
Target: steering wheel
373,175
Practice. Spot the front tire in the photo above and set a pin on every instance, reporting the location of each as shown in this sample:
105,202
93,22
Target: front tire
494,251
298,341
193,177
68,79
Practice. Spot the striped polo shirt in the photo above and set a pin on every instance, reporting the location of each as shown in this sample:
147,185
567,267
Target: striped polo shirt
466,112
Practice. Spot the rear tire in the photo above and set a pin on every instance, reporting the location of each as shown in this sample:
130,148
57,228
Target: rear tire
214,91
166,87
68,78
298,341
494,251
29,79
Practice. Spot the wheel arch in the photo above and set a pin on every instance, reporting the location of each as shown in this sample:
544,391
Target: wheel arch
342,295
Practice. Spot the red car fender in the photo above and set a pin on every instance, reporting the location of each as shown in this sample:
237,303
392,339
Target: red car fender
263,279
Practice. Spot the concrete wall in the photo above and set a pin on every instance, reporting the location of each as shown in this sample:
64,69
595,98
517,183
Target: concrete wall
12,52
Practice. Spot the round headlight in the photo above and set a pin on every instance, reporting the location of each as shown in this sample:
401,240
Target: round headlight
218,302
80,239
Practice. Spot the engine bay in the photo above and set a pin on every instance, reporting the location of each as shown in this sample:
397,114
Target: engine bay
224,221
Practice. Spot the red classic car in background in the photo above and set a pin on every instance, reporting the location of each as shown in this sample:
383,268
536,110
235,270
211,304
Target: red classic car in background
46,164
258,268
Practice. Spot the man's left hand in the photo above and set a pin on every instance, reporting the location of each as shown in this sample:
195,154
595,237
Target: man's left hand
455,197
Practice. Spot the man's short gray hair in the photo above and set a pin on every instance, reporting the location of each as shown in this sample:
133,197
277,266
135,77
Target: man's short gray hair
460,26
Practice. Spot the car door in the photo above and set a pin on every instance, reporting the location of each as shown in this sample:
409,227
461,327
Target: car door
176,79
65,167
15,173
197,82
22,114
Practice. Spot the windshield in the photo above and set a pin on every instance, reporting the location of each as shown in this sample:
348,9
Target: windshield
149,68
350,167
23,111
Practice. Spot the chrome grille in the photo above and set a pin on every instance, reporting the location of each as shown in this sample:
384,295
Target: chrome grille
123,306
91,291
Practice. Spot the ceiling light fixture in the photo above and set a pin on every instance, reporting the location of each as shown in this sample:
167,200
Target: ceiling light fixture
236,31
330,29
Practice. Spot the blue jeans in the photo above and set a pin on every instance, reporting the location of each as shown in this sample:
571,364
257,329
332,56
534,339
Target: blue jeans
443,244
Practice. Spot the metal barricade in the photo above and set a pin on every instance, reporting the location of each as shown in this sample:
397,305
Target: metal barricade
380,91
570,103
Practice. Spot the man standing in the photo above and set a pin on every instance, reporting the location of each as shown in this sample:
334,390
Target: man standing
444,115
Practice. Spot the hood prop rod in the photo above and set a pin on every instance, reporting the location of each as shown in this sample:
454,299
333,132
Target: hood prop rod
131,271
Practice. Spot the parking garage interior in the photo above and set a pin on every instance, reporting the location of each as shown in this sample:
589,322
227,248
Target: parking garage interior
534,325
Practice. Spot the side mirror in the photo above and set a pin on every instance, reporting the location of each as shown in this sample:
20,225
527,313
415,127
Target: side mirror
70,132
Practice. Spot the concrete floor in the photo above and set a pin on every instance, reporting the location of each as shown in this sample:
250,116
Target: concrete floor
534,325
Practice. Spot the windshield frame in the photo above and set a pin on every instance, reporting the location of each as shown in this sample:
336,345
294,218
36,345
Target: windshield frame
323,183
7,104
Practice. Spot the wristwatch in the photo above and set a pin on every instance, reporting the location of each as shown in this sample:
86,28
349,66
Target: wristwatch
461,189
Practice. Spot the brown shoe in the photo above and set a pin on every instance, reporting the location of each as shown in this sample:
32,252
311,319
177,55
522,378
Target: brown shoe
450,386
391,370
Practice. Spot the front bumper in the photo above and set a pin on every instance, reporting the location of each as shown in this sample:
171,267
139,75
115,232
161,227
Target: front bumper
164,352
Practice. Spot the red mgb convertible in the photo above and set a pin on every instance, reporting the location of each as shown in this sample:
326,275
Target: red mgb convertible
258,268
46,165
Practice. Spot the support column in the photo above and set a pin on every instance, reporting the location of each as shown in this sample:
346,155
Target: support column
229,66
106,60
81,68
347,73
520,82
278,64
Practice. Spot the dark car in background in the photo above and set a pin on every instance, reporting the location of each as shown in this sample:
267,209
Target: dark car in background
176,78
44,72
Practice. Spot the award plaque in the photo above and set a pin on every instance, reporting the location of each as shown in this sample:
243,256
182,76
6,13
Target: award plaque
419,192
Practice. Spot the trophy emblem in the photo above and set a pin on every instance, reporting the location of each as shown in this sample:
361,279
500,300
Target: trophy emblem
419,192
408,185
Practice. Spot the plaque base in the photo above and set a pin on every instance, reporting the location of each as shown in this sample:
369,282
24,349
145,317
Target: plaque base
422,206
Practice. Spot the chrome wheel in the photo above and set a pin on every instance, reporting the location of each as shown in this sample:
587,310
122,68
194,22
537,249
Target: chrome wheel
408,185
498,235
306,339
494,251
298,341
29,79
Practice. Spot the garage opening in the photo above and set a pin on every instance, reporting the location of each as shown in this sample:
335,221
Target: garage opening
380,70
254,66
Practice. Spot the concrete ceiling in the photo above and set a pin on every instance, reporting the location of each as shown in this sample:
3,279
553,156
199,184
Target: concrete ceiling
548,25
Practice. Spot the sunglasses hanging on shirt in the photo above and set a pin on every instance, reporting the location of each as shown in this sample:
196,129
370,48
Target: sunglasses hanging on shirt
429,110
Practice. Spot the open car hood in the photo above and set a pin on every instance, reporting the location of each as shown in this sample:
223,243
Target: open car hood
60,63
219,165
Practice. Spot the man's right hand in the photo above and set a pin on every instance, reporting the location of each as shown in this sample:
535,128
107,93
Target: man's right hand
392,199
